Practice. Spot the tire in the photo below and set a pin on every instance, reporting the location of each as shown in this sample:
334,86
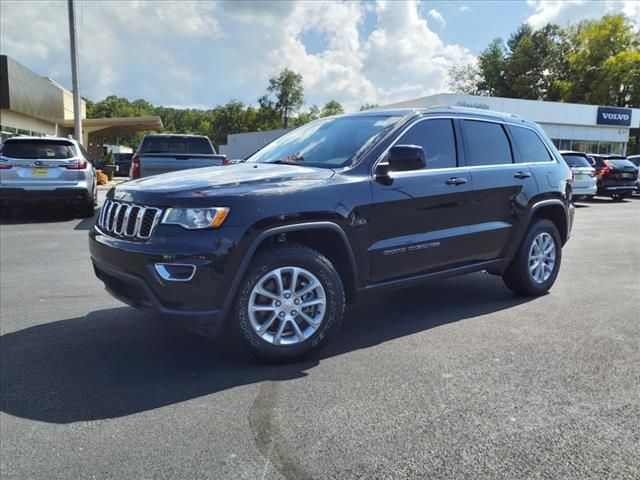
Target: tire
279,262
518,276
618,197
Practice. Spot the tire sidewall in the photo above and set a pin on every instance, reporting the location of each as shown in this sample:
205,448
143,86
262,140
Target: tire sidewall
542,226
290,257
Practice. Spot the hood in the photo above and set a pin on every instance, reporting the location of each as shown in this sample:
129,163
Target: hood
234,179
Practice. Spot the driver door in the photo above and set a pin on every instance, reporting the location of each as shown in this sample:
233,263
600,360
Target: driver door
420,218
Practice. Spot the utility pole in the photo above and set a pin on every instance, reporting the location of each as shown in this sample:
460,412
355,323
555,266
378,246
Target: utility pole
77,113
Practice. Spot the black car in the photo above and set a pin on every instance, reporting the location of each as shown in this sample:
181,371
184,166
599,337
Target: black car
275,246
617,176
123,161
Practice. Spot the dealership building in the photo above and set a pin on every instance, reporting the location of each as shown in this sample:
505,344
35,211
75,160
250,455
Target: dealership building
33,105
584,128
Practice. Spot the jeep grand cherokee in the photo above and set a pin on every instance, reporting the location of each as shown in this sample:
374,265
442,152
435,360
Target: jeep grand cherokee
273,247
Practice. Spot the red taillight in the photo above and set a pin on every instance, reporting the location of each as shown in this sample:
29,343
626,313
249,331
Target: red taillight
225,160
77,164
592,173
5,166
605,171
135,168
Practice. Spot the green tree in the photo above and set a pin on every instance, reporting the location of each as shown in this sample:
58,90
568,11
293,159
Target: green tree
285,95
332,107
305,117
492,65
603,62
368,106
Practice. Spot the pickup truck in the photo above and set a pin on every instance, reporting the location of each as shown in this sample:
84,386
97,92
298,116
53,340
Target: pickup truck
169,153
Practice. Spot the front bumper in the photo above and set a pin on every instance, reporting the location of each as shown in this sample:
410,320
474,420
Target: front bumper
14,195
128,271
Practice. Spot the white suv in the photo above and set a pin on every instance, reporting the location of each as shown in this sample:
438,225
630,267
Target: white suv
46,170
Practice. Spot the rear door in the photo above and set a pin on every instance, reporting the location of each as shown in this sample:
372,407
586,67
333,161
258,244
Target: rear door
502,188
419,218
39,163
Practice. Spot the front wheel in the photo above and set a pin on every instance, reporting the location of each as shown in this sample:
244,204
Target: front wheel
291,299
535,266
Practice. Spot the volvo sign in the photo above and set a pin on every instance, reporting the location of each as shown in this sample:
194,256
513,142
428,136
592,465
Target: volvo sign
614,116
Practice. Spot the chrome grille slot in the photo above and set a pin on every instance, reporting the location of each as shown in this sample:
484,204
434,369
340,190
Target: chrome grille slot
121,219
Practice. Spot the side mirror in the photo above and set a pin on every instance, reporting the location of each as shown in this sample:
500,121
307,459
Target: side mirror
402,158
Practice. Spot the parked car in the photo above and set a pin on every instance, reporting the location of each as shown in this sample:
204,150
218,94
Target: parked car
169,153
635,159
339,207
617,176
584,175
46,170
123,162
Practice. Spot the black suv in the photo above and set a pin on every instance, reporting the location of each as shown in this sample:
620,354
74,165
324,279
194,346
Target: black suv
276,245
617,176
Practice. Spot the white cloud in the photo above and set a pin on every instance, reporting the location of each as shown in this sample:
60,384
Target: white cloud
465,8
569,11
196,53
437,16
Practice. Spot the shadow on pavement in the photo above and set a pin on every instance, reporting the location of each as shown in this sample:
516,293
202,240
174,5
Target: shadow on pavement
40,214
121,361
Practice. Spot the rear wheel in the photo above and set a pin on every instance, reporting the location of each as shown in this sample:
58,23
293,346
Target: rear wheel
291,299
535,266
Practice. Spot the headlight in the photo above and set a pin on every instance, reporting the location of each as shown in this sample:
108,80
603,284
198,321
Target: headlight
194,218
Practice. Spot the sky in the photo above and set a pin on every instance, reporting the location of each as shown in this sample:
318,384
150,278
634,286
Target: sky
202,54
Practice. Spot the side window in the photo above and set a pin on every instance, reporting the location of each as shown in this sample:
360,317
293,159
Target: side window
488,143
531,148
438,140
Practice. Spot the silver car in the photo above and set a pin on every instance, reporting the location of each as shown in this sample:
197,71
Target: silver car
585,181
46,170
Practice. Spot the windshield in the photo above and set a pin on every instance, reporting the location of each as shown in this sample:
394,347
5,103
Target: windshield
42,149
576,160
330,142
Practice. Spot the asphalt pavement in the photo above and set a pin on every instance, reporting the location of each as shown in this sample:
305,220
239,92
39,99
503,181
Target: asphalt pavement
454,379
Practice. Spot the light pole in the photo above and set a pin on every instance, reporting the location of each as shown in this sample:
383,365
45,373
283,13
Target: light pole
77,113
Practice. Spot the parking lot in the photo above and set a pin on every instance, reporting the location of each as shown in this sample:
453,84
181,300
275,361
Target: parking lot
454,379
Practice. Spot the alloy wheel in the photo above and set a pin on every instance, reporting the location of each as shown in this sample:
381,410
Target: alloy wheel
542,257
287,306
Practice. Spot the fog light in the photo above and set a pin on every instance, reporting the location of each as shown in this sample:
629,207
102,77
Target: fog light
175,272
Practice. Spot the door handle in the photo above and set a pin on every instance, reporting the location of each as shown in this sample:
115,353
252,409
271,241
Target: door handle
522,175
456,181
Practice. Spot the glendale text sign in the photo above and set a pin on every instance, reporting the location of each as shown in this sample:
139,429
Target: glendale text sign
614,116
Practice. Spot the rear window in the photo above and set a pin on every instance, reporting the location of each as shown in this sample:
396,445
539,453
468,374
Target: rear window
530,145
41,149
177,145
619,162
575,160
597,162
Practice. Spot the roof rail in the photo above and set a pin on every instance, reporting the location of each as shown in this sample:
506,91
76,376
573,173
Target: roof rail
440,106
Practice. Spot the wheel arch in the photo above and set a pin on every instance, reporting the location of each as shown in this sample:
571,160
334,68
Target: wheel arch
326,237
555,211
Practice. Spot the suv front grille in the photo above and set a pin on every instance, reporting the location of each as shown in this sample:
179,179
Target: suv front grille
128,220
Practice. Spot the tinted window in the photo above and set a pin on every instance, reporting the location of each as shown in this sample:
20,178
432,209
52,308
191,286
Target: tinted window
43,149
597,162
619,163
488,143
178,145
575,160
530,146
437,139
